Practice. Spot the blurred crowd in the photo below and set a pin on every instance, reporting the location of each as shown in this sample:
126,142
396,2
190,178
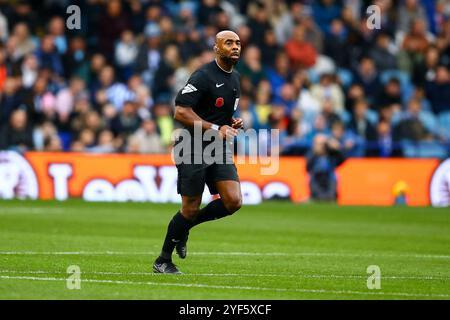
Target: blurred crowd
315,70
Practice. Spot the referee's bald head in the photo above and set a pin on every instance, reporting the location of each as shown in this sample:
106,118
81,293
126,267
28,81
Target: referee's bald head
227,45
226,34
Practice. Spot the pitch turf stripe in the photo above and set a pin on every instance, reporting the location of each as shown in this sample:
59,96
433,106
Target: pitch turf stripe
198,285
275,254
306,276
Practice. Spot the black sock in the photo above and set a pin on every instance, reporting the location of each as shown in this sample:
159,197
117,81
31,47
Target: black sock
177,230
214,210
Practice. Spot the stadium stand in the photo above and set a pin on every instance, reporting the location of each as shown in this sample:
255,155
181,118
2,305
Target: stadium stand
110,86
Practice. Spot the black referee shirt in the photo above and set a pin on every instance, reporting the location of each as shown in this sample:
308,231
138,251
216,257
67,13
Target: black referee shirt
212,93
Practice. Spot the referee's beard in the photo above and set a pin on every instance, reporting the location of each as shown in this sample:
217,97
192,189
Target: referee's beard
229,60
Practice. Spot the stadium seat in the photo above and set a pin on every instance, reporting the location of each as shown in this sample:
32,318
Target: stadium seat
396,118
313,76
432,150
66,139
429,121
345,116
424,149
372,116
346,77
309,116
444,124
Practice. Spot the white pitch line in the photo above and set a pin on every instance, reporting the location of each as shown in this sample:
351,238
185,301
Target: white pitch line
275,254
37,211
25,210
198,285
306,276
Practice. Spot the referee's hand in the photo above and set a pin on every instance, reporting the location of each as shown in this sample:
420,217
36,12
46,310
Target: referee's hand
237,123
227,132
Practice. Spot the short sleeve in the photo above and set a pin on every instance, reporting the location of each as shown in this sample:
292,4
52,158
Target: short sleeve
192,92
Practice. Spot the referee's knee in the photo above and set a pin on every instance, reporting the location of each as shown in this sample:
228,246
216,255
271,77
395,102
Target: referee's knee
190,213
233,204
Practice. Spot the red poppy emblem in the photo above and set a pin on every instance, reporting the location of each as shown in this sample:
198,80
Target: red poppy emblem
219,102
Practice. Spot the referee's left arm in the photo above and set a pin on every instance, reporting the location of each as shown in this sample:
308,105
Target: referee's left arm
188,117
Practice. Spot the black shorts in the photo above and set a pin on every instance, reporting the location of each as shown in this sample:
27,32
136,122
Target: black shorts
192,177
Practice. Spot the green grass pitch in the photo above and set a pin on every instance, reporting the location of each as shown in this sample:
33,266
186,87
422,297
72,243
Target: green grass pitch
276,250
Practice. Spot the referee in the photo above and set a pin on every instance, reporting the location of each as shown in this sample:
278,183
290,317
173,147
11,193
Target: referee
209,100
